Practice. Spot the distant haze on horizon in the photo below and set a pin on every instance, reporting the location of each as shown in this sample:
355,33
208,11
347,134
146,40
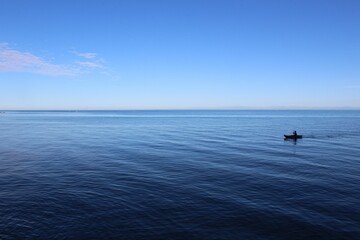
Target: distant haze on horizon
122,55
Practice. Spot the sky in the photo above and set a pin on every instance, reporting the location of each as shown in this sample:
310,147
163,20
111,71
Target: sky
179,54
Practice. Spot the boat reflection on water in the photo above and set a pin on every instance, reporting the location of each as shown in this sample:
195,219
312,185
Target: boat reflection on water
293,140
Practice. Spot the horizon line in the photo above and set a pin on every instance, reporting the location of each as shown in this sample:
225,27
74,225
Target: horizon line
193,109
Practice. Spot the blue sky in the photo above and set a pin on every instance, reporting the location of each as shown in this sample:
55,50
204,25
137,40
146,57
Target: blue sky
179,54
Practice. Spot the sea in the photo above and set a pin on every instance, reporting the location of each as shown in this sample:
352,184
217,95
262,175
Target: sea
178,174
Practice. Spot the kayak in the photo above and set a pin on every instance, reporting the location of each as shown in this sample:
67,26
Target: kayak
292,136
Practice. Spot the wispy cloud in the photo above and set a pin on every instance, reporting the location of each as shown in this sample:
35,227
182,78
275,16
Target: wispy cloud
12,60
89,61
87,55
91,64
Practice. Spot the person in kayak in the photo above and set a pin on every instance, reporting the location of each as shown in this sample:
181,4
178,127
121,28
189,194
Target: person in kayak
295,133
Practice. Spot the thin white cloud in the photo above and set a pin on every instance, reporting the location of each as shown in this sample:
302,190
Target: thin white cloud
12,60
87,55
90,64
89,61
17,61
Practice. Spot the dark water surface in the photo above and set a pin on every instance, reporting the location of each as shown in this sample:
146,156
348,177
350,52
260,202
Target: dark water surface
179,175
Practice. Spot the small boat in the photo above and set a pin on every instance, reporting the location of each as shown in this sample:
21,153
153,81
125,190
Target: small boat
292,136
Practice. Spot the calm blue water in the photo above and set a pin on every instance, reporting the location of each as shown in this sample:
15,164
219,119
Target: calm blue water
179,175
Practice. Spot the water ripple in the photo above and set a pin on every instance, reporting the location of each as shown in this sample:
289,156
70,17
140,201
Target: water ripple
179,175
